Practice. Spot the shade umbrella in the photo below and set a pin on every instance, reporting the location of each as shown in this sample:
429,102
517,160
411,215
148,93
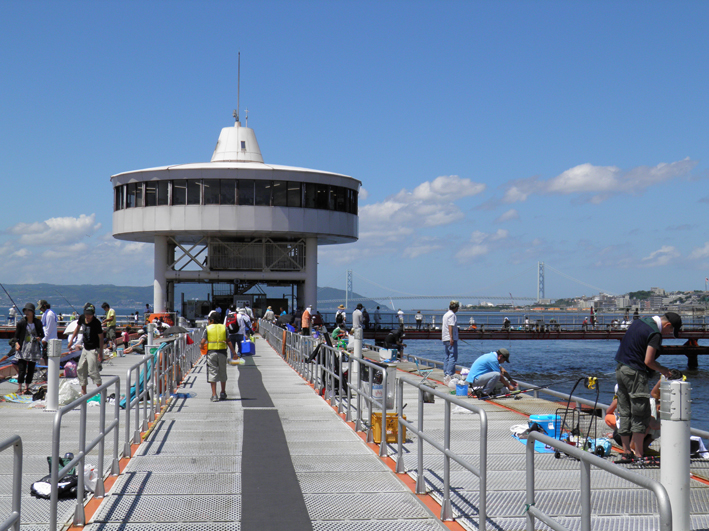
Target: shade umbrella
71,327
174,330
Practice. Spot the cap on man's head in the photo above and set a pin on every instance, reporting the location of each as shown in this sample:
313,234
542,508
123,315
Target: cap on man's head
454,304
89,308
359,306
42,303
676,322
341,307
29,306
504,353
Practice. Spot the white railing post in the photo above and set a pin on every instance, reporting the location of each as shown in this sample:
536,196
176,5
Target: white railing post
358,335
54,354
675,413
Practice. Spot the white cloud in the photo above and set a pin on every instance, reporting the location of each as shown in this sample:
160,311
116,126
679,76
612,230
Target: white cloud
423,246
56,231
396,225
481,243
21,253
662,256
508,216
363,193
430,204
597,183
443,189
700,252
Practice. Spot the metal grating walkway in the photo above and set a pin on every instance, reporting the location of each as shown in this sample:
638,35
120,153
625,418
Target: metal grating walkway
616,504
193,470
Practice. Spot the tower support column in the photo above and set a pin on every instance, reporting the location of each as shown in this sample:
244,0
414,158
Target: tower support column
160,282
311,272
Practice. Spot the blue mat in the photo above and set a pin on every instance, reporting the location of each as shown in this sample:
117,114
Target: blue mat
539,447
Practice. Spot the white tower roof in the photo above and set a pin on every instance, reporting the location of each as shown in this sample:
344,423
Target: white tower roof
237,144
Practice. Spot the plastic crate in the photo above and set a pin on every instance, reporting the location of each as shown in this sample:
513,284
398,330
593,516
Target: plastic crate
392,427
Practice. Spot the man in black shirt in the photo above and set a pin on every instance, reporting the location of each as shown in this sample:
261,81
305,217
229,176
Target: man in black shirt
92,353
637,361
393,341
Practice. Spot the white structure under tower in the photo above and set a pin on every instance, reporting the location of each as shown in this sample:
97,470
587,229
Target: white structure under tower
235,220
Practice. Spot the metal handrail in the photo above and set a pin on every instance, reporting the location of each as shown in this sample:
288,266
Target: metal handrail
481,473
13,521
368,397
323,375
148,365
79,458
576,399
587,459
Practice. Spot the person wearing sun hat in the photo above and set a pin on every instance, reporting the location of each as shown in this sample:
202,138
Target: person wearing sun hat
487,371
636,362
341,316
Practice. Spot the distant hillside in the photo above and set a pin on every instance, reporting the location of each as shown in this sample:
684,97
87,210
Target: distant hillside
78,295
134,296
329,294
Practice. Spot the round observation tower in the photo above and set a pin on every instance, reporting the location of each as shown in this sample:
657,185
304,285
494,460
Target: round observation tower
235,221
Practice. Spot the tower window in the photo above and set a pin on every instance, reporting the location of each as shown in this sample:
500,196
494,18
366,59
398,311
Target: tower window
243,145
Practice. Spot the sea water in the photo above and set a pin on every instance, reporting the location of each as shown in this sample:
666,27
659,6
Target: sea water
563,362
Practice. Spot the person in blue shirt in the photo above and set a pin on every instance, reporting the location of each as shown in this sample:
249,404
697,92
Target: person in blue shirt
487,371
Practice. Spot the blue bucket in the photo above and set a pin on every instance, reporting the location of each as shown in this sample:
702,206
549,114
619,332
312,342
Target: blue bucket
461,389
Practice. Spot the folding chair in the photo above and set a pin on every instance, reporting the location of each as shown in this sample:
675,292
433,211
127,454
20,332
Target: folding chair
422,371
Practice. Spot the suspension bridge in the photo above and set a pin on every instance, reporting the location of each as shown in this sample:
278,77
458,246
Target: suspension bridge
395,295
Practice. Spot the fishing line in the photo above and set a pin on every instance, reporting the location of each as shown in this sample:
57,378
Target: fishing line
67,300
13,302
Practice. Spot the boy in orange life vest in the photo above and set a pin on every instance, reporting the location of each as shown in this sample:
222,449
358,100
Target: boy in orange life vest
216,340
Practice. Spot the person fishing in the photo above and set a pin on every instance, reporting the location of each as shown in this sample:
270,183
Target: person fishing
636,362
26,341
487,371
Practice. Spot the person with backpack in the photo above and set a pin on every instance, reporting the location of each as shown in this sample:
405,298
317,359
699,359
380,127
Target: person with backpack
341,316
235,331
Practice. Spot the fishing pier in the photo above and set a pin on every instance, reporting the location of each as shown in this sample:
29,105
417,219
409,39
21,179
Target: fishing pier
295,447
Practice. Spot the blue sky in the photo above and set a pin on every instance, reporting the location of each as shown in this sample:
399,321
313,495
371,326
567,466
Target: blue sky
487,135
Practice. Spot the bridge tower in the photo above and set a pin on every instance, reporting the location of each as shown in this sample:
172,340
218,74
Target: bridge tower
348,287
540,281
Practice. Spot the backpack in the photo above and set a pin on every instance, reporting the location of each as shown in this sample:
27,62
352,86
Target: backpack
232,323
339,318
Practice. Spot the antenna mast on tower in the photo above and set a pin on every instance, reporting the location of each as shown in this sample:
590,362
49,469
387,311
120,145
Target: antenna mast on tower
238,88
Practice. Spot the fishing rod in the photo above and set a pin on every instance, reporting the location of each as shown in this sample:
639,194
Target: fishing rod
12,301
539,387
67,300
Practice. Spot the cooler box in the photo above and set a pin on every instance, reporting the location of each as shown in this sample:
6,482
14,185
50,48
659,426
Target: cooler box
551,424
385,354
392,427
247,347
